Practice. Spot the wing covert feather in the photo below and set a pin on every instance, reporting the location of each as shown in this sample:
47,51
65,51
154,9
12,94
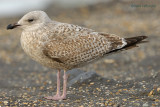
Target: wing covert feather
80,49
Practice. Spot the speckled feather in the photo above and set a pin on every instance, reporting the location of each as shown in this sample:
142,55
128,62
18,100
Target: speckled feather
66,46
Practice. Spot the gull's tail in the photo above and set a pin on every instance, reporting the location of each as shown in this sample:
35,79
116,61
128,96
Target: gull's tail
133,41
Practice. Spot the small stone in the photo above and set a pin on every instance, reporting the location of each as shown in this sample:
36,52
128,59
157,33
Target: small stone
157,100
25,103
5,102
136,104
145,105
150,93
124,99
98,89
158,89
91,83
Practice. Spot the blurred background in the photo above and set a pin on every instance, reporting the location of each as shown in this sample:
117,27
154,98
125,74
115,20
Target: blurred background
24,81
125,18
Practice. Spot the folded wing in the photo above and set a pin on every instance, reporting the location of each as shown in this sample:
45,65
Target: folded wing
81,49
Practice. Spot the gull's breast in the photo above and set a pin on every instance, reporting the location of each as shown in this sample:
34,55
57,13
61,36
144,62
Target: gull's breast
32,44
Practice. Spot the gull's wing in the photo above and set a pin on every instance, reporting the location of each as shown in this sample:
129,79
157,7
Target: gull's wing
81,46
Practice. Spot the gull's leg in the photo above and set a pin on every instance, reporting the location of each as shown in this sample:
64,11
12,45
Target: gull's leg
65,76
58,83
57,96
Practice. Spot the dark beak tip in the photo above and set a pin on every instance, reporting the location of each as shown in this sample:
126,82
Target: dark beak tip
10,26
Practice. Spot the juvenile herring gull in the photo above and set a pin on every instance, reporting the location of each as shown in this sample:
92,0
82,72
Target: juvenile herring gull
66,46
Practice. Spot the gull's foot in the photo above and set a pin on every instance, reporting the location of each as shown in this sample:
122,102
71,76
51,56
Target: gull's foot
56,97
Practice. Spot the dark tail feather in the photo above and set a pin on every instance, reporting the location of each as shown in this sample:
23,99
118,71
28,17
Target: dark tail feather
131,42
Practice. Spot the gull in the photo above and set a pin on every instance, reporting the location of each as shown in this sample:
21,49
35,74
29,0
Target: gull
63,46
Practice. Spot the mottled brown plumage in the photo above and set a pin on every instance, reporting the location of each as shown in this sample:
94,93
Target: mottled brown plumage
65,46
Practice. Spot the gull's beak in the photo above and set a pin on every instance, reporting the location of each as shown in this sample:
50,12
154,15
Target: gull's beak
12,26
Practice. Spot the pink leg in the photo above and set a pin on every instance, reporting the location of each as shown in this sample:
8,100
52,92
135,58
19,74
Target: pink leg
58,88
65,76
57,96
58,83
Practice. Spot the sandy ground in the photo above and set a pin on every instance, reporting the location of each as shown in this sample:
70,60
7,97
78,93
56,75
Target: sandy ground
126,78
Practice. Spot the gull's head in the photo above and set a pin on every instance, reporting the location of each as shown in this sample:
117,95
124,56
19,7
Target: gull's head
31,20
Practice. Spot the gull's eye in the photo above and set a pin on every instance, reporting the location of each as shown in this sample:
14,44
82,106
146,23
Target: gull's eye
30,20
